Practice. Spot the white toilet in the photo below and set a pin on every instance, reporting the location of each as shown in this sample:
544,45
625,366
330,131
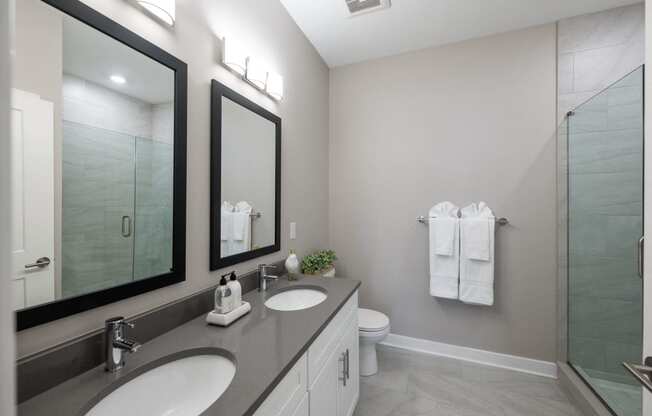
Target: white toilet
373,328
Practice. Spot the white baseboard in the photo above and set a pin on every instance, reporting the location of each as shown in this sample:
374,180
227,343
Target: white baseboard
510,362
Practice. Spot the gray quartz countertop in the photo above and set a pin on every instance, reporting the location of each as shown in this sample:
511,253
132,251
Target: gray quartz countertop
265,344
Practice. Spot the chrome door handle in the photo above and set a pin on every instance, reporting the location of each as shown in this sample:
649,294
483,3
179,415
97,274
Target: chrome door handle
126,226
641,245
40,263
642,373
342,359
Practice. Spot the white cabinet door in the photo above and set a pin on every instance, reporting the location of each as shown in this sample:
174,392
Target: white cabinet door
323,391
349,386
288,394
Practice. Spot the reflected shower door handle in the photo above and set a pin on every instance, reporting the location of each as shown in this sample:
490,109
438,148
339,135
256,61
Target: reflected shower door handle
641,244
126,226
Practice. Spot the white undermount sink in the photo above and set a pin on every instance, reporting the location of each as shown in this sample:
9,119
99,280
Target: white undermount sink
186,386
296,299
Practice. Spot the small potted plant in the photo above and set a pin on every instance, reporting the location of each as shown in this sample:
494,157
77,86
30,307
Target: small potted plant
319,263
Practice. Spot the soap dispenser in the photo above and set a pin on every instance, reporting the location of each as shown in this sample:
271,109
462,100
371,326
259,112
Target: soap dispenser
236,290
223,297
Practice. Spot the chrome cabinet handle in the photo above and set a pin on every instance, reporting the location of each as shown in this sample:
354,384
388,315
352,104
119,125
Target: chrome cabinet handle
641,244
342,359
40,263
348,374
126,226
642,373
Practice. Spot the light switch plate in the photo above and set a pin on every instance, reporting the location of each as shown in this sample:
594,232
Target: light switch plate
293,231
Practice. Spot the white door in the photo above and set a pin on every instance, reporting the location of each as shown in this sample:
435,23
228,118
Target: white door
32,199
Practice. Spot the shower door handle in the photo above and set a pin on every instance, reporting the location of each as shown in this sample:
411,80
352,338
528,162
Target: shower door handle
642,373
126,226
641,245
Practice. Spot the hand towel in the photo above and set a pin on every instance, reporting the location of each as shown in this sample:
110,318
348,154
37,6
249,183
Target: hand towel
242,227
477,227
444,238
226,221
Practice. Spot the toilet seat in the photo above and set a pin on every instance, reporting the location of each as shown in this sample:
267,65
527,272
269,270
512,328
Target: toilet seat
372,321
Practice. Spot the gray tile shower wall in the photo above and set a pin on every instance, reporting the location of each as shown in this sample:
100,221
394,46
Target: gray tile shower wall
42,371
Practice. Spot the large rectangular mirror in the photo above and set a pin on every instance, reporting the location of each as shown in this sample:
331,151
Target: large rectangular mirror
245,179
98,162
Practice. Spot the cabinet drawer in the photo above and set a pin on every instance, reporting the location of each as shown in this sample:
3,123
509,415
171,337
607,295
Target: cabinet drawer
322,347
288,394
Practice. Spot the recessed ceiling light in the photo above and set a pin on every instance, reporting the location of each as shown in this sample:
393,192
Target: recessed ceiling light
118,79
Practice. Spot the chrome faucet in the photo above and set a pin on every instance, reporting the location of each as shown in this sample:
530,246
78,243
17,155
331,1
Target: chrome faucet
263,277
116,344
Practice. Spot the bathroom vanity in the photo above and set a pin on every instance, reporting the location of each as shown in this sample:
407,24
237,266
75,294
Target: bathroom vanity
296,362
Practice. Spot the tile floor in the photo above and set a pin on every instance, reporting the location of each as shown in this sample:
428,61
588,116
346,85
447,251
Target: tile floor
413,384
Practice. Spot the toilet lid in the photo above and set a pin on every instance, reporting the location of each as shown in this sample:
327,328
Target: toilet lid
369,320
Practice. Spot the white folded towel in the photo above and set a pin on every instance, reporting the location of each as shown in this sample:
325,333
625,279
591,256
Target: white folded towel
476,238
477,255
241,228
226,221
444,250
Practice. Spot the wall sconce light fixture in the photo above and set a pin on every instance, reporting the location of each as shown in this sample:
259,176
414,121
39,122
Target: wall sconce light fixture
252,71
165,10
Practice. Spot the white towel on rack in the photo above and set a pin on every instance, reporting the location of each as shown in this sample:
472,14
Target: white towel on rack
477,227
226,221
444,238
241,228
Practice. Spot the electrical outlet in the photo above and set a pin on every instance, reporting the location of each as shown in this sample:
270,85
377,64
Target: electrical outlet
293,231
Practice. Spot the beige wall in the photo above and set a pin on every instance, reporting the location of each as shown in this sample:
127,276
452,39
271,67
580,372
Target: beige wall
7,368
465,122
275,39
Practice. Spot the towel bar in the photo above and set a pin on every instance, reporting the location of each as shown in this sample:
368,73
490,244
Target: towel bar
499,221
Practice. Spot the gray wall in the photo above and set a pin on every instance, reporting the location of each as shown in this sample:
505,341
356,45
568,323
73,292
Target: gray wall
274,38
466,122
7,368
597,49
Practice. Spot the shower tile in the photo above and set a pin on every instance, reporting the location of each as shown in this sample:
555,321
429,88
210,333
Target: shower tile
606,319
587,352
616,354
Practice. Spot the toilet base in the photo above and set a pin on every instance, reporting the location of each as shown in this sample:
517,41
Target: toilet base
368,359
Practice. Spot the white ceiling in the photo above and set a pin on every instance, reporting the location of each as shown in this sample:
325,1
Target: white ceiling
94,56
416,24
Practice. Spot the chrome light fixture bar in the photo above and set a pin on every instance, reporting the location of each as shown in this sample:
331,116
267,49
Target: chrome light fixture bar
251,70
164,10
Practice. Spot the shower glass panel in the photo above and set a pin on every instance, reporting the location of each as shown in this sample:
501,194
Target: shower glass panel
605,223
117,208
98,192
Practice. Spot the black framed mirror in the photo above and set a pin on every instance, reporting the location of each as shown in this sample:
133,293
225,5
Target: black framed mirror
100,116
245,218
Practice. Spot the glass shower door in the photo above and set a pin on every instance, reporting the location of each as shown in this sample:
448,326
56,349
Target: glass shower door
605,223
97,239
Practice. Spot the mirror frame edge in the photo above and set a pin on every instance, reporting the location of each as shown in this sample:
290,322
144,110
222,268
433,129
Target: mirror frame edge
219,90
51,311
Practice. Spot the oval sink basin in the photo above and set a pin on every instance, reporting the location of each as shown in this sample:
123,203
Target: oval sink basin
296,299
186,386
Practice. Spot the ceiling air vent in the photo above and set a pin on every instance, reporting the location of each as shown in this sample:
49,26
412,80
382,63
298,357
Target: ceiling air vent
357,7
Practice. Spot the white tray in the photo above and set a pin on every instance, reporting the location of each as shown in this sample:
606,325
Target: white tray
225,319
